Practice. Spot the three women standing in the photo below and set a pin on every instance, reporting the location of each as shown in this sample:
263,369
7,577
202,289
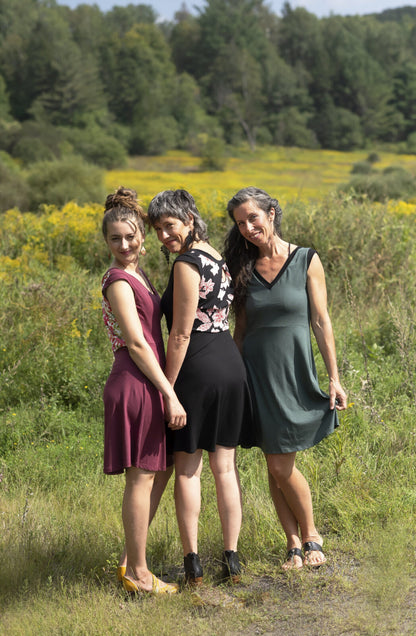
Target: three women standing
280,293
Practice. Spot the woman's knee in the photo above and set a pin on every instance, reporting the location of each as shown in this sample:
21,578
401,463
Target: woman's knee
137,477
280,467
222,461
188,465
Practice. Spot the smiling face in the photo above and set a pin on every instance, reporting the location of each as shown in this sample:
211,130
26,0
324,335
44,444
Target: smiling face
254,224
124,241
172,232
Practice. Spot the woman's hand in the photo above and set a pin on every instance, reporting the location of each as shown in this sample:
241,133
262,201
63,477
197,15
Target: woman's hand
175,414
337,396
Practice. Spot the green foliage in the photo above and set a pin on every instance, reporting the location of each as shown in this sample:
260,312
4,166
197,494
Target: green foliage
13,188
411,144
69,179
337,128
373,157
294,79
4,101
362,167
188,112
291,129
139,76
63,343
36,140
154,136
213,154
97,146
365,248
393,183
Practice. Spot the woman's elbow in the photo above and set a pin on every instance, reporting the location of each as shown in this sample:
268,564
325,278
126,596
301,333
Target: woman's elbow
180,338
136,347
321,324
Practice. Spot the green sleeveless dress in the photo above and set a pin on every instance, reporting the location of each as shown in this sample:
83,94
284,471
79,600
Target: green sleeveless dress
291,411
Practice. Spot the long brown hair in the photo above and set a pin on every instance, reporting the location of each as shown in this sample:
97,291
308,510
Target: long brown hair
241,255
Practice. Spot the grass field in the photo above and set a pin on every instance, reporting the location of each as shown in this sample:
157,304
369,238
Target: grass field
60,517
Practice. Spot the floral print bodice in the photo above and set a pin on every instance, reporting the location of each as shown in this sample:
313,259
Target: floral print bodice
215,293
148,311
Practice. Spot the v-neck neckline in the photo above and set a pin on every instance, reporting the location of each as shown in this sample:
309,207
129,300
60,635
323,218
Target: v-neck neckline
285,265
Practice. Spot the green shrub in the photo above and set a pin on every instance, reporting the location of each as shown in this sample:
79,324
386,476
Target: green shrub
54,344
154,137
410,145
97,146
393,183
362,245
291,129
373,157
13,189
213,155
37,141
362,167
68,179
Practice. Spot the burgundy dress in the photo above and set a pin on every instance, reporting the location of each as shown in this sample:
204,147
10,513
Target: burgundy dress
134,423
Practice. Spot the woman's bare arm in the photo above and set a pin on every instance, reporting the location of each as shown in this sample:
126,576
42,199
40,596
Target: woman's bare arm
121,298
322,329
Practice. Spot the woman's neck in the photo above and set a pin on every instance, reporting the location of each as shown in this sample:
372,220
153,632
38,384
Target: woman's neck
131,268
276,248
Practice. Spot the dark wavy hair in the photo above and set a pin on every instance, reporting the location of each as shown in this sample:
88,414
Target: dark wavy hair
178,203
122,205
241,255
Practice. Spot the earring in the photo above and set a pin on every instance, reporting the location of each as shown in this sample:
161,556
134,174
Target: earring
165,253
246,244
143,250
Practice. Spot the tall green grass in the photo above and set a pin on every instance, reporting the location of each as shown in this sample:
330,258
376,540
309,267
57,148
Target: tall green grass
60,517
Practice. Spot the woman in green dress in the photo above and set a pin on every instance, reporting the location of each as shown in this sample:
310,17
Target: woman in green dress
280,293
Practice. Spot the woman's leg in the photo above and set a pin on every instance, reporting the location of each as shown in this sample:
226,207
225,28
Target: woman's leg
135,512
188,468
288,522
159,484
297,496
227,483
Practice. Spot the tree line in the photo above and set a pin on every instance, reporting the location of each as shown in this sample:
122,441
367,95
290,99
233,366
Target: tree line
103,85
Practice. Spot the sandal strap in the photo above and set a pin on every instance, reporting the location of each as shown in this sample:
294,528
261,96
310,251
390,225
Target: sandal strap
292,553
312,546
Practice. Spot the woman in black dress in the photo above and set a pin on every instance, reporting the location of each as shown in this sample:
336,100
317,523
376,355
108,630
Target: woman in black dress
205,368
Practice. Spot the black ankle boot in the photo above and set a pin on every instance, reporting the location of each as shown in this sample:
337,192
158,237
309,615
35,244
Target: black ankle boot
231,567
193,569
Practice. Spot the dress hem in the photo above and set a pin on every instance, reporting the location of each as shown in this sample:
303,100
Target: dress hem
292,450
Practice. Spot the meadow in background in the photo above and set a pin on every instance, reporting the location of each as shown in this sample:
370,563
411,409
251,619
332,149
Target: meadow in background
60,517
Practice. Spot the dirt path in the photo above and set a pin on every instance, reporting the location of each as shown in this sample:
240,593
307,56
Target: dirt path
327,602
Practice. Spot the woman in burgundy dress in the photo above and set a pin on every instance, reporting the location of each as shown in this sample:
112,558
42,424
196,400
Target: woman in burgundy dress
138,398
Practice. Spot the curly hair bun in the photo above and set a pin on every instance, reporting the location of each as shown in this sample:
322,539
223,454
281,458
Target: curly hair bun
123,198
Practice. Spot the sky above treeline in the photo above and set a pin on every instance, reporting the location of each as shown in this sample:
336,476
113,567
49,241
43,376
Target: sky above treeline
166,9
